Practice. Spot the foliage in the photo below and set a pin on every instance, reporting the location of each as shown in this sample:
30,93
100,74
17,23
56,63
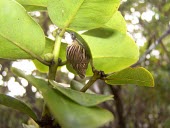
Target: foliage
21,37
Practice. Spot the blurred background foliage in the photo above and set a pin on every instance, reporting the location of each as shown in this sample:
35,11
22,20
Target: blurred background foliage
133,106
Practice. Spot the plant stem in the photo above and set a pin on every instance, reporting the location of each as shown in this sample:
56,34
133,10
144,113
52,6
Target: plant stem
62,63
57,45
116,91
56,51
96,75
52,72
42,61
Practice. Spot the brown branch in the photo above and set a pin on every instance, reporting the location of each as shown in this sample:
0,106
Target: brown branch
153,46
119,105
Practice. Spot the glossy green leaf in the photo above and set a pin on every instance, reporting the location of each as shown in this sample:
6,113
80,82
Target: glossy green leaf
18,105
31,8
49,45
11,51
34,5
62,54
68,113
138,76
78,86
117,22
81,98
40,67
111,50
81,14
42,3
20,36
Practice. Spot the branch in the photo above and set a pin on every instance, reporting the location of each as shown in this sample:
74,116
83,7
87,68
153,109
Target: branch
119,105
153,46
96,75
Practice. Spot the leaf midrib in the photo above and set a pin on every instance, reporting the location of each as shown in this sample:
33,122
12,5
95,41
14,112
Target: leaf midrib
19,46
74,15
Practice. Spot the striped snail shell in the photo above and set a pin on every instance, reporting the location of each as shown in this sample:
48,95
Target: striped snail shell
77,56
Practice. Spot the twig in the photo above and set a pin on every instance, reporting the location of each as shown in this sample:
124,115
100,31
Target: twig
119,105
97,75
153,46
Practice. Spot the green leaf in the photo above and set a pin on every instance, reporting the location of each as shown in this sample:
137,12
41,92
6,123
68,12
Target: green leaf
20,36
40,67
31,8
166,7
138,76
34,5
81,98
18,105
11,51
68,113
111,50
117,22
49,45
81,14
62,54
75,85
42,3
